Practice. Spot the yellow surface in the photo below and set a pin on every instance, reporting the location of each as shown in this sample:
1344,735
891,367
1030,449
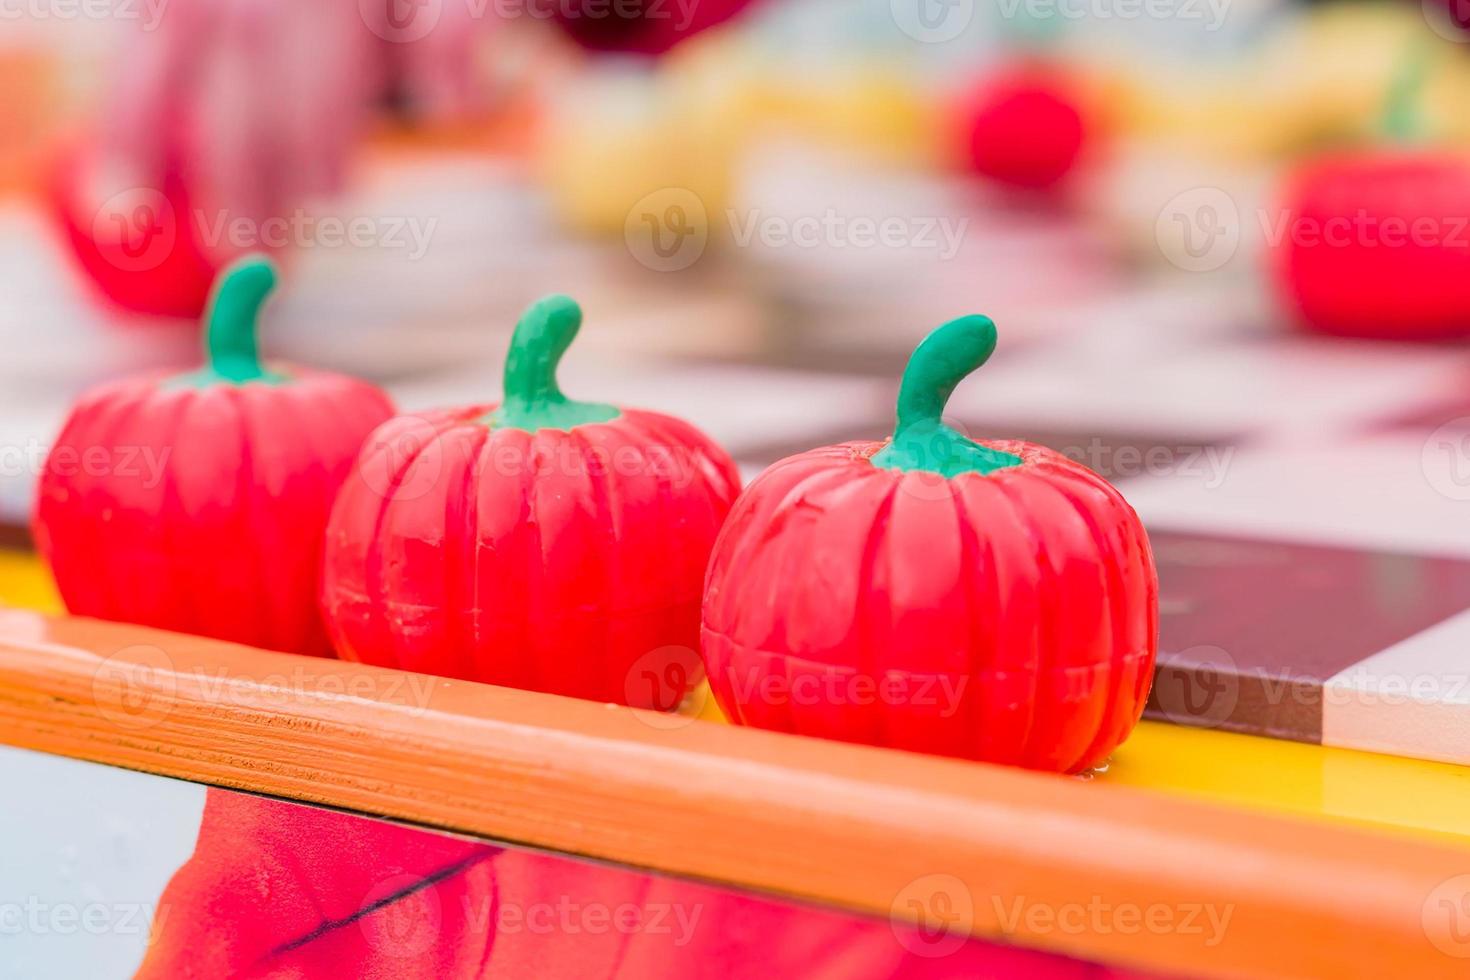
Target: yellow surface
24,582
1427,799
1423,799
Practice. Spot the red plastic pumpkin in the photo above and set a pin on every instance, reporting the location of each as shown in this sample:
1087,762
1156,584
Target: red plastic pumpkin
545,543
1377,244
988,600
143,250
1024,127
198,502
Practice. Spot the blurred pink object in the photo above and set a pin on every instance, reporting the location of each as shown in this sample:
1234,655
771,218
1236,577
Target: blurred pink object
649,27
259,100
140,247
218,114
263,100
222,114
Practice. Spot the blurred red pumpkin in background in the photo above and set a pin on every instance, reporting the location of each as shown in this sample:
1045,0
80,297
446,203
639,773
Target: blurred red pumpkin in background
1024,126
1376,243
140,247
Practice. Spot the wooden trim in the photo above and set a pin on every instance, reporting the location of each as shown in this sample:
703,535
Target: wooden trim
857,827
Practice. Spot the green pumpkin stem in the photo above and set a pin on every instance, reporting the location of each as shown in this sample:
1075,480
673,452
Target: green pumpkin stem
533,398
921,439
1402,119
234,311
541,339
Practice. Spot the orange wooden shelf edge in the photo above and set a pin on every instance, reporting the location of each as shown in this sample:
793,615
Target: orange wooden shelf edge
846,825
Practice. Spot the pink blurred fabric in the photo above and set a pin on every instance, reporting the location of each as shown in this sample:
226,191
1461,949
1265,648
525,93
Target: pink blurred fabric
263,100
